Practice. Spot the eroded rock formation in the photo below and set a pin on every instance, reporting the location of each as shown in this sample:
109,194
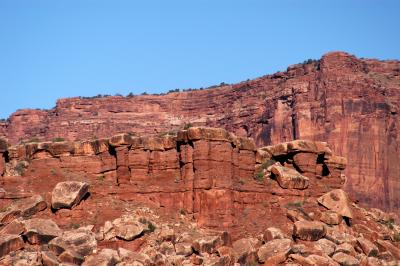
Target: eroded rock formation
201,197
349,102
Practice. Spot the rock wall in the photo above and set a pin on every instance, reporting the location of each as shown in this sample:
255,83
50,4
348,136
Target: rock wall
349,102
207,172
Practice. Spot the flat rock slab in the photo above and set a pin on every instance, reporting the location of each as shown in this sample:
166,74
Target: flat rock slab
9,243
41,231
289,178
337,201
23,208
68,194
309,230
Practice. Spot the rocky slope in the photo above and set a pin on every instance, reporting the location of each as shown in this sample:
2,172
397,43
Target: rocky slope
201,197
349,102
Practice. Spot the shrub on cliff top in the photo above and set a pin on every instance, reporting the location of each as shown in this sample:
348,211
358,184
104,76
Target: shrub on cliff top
58,139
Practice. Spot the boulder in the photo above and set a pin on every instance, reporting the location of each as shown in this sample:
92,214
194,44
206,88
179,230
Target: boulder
68,194
128,227
307,146
40,231
305,162
330,217
289,178
337,201
50,259
15,227
81,241
72,257
345,260
227,254
325,246
106,257
184,249
208,133
9,243
346,248
339,237
272,233
387,246
309,230
274,248
246,250
23,208
207,244
367,247
23,258
167,234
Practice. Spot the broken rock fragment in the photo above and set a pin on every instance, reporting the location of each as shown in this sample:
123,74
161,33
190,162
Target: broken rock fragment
336,200
309,230
68,194
289,178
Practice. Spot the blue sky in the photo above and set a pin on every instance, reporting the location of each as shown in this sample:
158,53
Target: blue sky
64,48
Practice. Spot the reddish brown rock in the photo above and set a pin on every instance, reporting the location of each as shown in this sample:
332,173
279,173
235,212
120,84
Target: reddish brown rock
289,178
274,248
337,200
9,243
68,194
23,208
308,230
340,99
40,231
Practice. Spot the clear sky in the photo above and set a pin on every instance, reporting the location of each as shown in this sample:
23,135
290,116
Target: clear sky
64,48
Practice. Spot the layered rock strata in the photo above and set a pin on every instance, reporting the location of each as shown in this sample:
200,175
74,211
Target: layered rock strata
207,172
349,102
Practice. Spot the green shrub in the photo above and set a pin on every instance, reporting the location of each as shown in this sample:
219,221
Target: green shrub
259,175
33,140
187,126
20,168
58,139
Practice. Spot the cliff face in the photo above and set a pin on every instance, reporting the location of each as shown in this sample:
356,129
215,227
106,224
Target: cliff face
351,103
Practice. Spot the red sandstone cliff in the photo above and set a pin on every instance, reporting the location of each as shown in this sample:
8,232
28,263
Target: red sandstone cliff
349,102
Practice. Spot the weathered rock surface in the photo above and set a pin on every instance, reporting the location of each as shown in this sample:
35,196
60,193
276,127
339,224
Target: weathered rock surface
289,178
337,200
10,243
68,194
350,102
23,208
274,248
308,230
40,231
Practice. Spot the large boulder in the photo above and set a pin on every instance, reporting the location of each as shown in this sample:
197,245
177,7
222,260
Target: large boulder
68,194
207,244
367,247
127,227
9,243
309,230
246,250
345,259
272,233
330,217
325,246
24,208
40,231
337,200
105,257
289,178
80,241
274,248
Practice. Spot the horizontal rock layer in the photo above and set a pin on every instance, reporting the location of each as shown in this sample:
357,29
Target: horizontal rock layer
207,172
349,102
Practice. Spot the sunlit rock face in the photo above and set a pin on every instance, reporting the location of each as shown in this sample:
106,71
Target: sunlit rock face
348,102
